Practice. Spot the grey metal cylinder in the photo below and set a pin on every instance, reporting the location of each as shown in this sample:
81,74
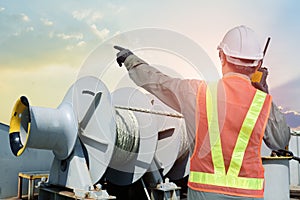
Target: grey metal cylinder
51,129
276,178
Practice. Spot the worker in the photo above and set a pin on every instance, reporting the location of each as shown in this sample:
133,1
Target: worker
227,120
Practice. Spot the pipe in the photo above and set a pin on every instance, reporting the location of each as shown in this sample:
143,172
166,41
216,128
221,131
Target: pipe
42,128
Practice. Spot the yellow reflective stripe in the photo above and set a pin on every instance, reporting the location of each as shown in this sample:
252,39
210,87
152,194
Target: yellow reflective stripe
213,128
245,133
226,180
231,179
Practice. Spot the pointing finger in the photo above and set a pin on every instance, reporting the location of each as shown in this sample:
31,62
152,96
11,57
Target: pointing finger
119,48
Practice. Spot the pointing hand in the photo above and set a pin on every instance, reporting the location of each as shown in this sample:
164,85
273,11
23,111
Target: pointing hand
122,54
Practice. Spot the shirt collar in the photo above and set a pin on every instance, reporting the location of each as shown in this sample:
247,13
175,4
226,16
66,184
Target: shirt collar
237,74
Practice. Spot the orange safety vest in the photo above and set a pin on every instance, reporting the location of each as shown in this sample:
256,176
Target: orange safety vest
231,118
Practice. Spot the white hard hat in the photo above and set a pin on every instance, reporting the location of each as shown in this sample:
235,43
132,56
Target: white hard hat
241,43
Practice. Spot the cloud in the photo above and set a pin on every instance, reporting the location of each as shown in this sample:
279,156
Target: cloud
76,36
88,16
291,112
102,34
46,22
81,44
24,17
13,24
71,40
292,119
80,15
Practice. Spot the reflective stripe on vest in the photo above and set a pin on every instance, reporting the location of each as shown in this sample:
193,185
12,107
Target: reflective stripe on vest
220,177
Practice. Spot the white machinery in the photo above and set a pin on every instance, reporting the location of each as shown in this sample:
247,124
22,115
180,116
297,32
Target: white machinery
96,135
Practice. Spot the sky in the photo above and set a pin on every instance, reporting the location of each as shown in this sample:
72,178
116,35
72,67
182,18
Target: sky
43,44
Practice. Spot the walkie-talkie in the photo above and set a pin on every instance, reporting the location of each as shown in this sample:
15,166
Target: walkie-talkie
261,74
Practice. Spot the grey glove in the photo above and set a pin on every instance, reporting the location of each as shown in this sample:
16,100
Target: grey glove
122,54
